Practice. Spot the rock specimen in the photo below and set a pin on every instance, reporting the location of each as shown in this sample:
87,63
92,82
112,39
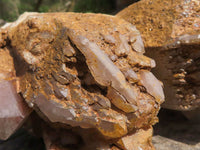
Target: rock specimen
171,33
86,70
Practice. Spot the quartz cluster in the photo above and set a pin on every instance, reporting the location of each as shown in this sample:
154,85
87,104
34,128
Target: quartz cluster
83,71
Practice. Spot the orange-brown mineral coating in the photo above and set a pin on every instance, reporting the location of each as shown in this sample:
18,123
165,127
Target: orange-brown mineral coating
58,78
160,20
3,37
7,71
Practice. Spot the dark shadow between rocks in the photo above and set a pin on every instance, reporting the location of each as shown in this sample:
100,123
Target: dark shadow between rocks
22,140
174,125
177,66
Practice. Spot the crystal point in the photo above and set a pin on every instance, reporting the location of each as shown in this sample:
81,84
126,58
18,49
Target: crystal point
13,111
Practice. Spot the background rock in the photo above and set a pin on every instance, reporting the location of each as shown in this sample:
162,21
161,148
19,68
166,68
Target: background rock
170,30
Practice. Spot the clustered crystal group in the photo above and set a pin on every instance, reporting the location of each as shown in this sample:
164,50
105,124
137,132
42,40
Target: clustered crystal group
84,74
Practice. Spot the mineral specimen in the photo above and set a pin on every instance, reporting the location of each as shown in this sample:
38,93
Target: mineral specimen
171,33
85,70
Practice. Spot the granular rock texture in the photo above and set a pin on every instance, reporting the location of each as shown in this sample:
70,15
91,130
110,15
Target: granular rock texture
141,139
171,33
86,70
7,71
160,20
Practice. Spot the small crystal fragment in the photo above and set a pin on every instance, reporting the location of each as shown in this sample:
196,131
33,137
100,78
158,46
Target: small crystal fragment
141,60
153,86
124,47
131,76
119,101
137,141
109,39
137,43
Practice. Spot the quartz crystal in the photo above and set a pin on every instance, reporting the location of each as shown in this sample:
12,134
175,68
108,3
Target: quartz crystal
13,110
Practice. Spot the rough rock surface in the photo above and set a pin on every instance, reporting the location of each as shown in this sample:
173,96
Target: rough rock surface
171,33
141,139
85,70
7,71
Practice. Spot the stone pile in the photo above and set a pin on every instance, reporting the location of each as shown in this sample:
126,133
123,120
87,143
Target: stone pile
85,75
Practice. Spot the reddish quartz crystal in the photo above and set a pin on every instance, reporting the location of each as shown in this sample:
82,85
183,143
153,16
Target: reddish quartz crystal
13,110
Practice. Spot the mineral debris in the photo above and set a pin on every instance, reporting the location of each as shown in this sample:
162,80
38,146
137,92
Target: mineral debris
87,71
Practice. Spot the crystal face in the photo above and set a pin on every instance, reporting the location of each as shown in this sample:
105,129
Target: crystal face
152,85
13,111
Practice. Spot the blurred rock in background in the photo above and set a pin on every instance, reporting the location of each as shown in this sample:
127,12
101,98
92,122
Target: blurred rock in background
9,9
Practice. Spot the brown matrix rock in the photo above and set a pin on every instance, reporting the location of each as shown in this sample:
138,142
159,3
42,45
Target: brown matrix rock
86,70
171,33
